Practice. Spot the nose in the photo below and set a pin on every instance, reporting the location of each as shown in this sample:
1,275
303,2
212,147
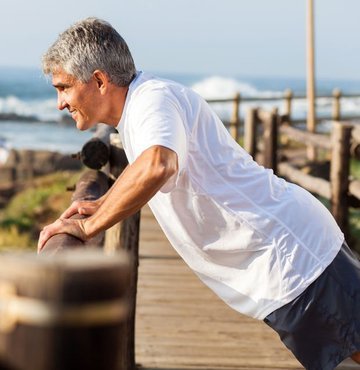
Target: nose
61,102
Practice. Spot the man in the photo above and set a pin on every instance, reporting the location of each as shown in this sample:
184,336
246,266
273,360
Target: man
267,247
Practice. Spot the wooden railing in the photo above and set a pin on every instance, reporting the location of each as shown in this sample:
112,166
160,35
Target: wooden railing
287,98
104,151
81,314
343,143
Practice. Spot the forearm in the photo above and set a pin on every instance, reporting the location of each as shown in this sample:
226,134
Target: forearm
133,189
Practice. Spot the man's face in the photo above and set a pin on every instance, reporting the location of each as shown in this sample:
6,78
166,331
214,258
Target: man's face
80,99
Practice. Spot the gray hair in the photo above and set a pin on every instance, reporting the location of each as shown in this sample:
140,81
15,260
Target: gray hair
89,45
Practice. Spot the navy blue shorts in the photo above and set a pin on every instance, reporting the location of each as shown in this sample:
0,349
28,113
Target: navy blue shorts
321,327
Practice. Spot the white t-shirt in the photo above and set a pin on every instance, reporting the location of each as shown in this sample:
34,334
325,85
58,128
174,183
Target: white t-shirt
255,239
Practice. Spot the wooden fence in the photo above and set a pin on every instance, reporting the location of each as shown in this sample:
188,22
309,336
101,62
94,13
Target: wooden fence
343,143
287,98
101,152
62,311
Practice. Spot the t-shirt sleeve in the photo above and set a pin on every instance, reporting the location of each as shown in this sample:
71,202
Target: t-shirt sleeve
158,121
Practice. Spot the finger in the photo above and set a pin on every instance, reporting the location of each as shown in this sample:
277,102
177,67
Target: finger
42,240
87,210
70,211
46,233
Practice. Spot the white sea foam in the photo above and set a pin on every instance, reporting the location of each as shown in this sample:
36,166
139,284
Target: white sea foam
217,87
214,87
44,110
225,88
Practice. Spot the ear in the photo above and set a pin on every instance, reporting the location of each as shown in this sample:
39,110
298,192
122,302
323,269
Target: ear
102,81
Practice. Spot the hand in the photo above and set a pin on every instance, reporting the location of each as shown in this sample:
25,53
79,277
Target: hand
82,207
73,227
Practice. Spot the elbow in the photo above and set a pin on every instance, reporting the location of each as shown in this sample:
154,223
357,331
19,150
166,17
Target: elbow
164,165
164,171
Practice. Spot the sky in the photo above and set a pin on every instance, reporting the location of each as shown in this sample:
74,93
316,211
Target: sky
252,38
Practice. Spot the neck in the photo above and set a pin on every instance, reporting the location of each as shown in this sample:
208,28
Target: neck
117,99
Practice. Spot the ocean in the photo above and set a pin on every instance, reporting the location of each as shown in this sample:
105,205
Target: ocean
29,118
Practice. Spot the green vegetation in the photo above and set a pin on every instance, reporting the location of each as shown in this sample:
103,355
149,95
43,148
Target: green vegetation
355,168
33,208
354,221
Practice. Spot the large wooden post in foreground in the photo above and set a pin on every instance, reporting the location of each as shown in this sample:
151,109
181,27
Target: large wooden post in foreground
62,312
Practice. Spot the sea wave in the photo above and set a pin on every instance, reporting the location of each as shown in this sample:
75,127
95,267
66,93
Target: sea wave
217,87
13,107
40,109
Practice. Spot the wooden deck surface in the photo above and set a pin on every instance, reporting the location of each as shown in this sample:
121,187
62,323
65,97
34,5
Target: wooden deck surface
181,324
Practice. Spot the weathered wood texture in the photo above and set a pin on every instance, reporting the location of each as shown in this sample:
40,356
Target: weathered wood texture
125,236
95,153
339,174
271,141
129,241
62,312
313,184
92,185
319,140
235,118
250,131
181,324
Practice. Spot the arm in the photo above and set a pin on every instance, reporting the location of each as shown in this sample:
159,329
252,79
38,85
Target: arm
87,207
134,188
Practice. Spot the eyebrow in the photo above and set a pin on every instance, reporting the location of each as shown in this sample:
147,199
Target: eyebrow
61,85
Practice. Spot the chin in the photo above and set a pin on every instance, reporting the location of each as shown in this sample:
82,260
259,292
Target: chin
83,126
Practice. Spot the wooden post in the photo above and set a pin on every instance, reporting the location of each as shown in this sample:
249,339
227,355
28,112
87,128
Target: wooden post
270,140
250,131
235,118
311,115
95,152
62,312
129,241
25,167
288,96
339,174
336,105
128,232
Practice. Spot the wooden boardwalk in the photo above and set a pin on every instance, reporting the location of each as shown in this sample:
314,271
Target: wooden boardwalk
181,324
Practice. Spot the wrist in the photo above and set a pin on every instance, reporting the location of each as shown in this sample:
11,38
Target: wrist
87,229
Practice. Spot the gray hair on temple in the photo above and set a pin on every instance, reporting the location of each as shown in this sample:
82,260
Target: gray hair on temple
89,45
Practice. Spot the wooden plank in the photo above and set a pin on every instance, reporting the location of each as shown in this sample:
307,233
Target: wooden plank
92,185
182,324
317,140
311,183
